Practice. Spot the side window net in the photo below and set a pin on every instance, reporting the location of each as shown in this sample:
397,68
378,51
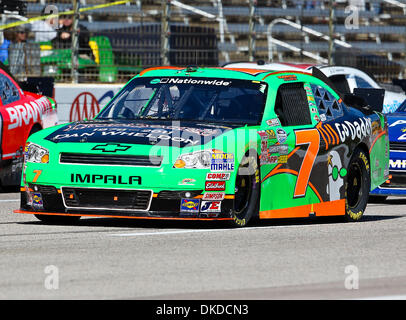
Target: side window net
329,107
291,105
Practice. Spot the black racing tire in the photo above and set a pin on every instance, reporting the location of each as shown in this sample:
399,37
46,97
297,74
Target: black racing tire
55,219
358,186
35,129
247,192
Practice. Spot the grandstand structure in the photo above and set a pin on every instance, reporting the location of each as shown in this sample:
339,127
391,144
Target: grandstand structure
127,37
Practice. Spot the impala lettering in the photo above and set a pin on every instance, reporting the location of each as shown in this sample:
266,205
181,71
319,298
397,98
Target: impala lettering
106,179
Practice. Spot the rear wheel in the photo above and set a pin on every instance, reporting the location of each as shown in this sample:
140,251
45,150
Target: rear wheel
247,191
357,186
51,219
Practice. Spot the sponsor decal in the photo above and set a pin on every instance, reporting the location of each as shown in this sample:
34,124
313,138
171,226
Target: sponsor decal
281,135
187,182
279,148
357,129
273,122
214,196
270,134
27,113
85,106
397,164
37,202
290,77
210,207
189,205
106,179
215,186
111,147
283,159
397,123
138,133
221,161
218,176
268,159
215,82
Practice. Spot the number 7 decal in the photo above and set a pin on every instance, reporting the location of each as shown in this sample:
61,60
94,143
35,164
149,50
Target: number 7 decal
311,137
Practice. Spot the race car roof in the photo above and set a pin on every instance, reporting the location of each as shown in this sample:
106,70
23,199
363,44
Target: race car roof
214,72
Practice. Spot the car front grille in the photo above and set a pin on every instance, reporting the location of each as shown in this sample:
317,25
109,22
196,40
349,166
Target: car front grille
107,199
398,180
111,160
393,146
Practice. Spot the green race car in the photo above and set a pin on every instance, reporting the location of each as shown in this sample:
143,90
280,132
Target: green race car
210,143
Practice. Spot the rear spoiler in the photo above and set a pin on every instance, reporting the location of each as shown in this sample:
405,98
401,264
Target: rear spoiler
39,85
373,97
366,100
400,82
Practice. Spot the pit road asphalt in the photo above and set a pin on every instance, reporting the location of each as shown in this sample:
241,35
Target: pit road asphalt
102,258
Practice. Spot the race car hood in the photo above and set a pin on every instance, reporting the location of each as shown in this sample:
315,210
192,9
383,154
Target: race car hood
397,126
174,134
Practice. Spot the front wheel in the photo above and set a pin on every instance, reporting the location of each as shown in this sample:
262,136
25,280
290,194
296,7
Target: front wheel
247,192
357,186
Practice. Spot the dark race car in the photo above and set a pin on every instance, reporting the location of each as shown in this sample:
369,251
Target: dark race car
22,113
395,185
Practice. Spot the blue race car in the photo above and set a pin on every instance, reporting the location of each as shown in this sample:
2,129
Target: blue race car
396,184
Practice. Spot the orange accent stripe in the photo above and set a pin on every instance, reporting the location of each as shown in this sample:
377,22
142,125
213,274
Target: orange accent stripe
333,139
330,208
251,71
159,68
326,133
335,133
287,71
376,139
113,216
322,134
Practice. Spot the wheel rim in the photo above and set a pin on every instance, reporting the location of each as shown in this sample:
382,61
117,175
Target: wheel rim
243,186
355,185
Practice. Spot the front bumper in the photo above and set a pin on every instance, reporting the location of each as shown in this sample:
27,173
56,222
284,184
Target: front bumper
132,203
394,186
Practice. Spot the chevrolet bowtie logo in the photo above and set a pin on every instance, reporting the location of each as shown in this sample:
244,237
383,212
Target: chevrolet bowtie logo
111,147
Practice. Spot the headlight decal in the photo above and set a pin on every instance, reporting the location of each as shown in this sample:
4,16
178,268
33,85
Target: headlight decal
215,160
35,154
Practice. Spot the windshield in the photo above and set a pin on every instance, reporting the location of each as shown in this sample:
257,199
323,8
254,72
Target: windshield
189,99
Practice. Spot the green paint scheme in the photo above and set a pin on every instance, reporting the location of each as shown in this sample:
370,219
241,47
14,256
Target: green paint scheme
277,190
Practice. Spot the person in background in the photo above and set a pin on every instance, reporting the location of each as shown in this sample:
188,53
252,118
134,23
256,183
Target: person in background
23,55
63,39
44,30
4,50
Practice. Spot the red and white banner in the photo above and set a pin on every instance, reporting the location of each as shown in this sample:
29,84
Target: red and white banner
82,101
